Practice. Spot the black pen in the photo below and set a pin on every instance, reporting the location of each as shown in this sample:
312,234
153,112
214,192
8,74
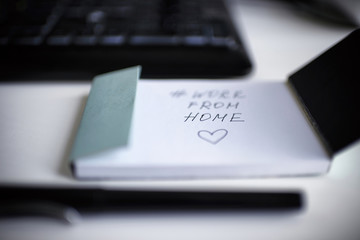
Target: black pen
56,202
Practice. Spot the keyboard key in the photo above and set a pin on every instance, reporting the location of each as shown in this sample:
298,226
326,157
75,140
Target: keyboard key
196,40
154,40
112,40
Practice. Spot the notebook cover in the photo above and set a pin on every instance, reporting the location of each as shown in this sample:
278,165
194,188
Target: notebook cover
329,90
109,103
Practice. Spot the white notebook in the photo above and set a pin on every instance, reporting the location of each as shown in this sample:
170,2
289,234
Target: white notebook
183,129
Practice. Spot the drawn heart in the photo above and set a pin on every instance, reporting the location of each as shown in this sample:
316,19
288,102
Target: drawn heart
213,137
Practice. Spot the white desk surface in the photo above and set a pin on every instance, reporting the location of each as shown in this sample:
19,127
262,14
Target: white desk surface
38,121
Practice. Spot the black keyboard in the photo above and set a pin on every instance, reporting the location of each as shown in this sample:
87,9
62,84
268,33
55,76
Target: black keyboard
42,39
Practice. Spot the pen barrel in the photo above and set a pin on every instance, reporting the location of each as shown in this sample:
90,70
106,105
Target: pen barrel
93,199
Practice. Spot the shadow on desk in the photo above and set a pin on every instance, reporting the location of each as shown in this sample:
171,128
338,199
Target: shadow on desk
64,168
